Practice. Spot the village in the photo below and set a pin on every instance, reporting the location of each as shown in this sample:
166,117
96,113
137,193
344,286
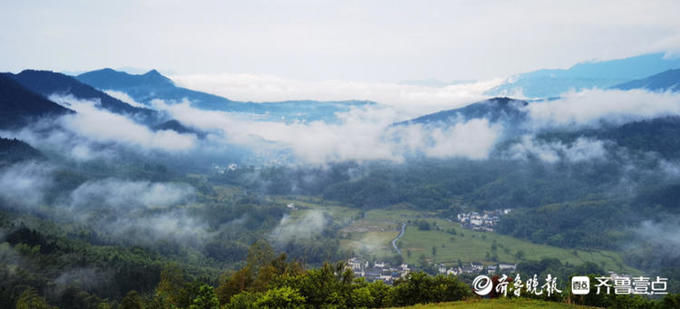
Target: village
378,271
485,221
388,274
477,268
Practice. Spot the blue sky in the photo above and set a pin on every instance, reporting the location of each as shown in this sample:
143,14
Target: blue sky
374,41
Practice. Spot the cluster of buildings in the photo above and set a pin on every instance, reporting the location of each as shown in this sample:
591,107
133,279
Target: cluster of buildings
377,271
485,221
383,271
219,169
477,268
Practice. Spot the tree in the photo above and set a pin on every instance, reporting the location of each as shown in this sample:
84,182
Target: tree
419,288
283,297
234,284
671,301
132,300
103,306
260,253
422,260
30,299
328,285
206,298
379,291
423,225
243,300
171,285
361,296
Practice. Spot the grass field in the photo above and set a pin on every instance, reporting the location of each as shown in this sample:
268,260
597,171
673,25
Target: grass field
371,232
470,246
501,303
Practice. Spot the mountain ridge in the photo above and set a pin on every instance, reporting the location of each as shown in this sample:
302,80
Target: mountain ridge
49,83
153,85
600,74
18,105
494,109
665,81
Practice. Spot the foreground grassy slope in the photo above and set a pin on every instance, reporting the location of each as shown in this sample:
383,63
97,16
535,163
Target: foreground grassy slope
501,303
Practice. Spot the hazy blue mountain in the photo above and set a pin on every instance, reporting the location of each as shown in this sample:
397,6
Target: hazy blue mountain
48,83
601,74
495,110
19,105
176,126
152,85
657,134
13,150
664,81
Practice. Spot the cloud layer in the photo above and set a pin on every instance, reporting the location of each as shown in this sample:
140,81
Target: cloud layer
312,223
24,185
596,106
581,150
137,212
362,134
411,100
102,126
93,133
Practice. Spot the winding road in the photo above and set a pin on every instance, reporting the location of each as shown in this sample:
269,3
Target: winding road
394,241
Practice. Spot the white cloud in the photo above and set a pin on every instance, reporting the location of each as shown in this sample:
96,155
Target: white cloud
665,236
103,126
670,168
125,98
46,135
590,107
362,134
175,225
472,139
120,194
92,133
118,208
96,134
312,223
581,150
411,99
25,184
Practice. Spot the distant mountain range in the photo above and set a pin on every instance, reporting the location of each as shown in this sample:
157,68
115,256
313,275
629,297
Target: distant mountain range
603,74
495,110
13,150
143,88
656,134
25,96
664,81
19,105
49,83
